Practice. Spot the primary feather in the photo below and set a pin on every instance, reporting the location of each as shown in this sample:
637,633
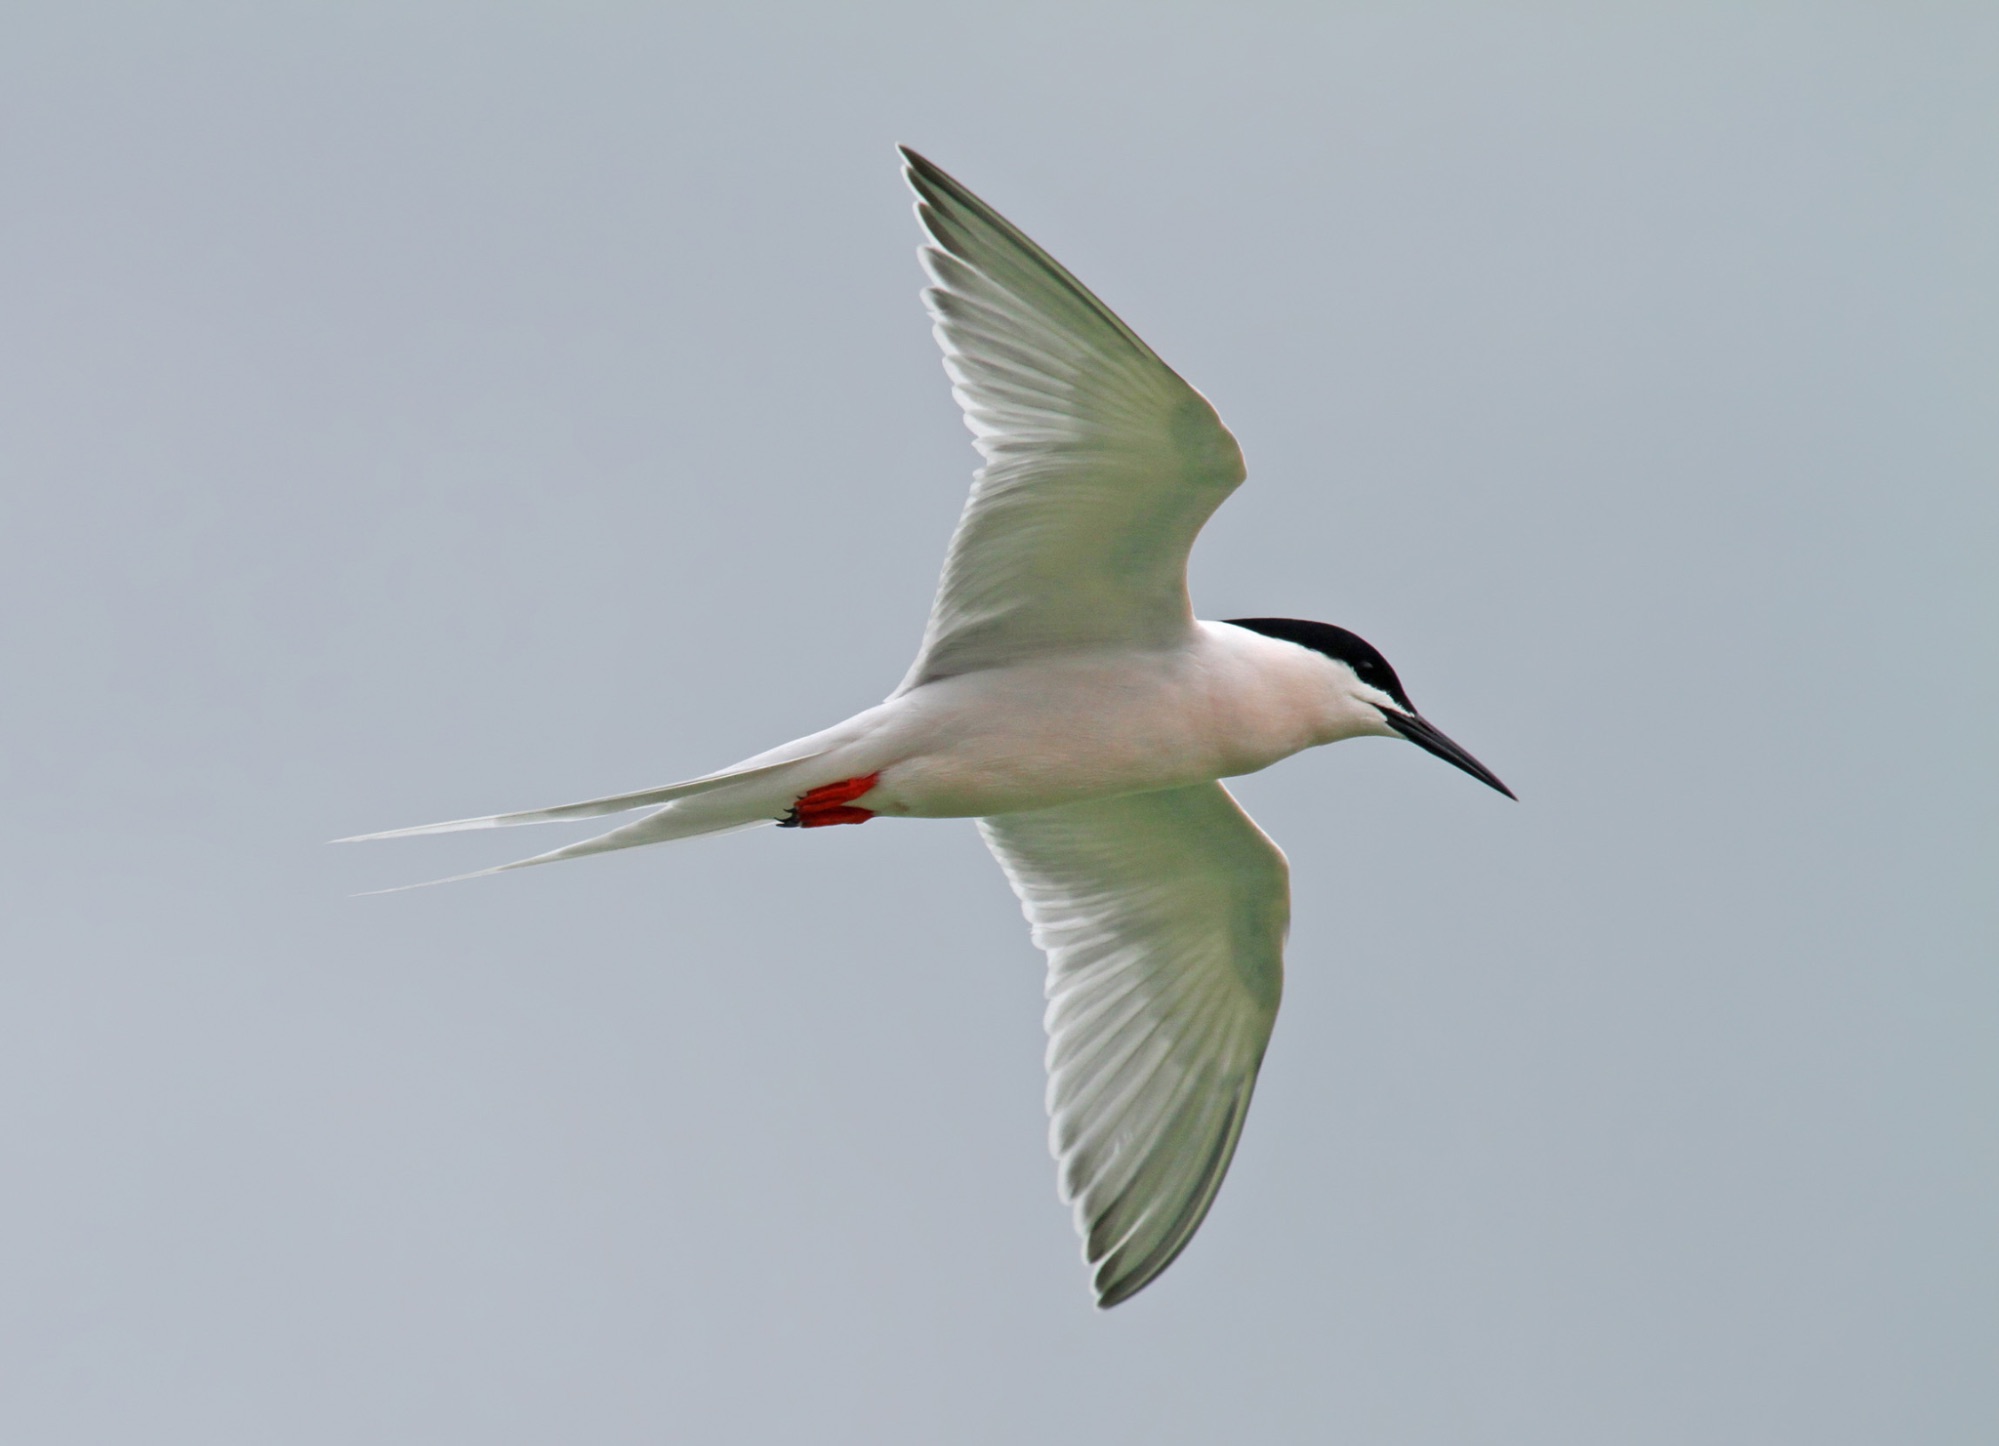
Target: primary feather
1101,464
1163,916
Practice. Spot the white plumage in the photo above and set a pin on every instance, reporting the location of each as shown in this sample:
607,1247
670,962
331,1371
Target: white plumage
1066,697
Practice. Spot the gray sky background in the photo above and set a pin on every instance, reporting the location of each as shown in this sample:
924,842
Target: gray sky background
417,410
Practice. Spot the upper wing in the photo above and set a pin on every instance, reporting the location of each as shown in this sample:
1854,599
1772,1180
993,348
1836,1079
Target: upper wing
1101,463
1163,917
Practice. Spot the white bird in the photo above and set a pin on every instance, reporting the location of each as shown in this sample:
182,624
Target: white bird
1066,697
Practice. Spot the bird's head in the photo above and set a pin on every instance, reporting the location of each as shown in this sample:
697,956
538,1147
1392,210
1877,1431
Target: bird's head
1369,693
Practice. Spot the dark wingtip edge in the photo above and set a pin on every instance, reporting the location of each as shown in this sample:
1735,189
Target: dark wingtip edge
920,171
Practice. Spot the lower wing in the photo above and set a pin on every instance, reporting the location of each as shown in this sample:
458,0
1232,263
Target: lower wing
1163,916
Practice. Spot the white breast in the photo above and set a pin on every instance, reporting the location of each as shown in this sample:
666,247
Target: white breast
1090,725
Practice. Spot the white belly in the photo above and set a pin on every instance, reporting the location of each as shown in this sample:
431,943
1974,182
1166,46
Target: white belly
1088,726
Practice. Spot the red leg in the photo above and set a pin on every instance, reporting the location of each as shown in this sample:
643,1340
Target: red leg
829,804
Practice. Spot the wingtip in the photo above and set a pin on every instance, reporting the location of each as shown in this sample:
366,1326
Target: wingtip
1112,1294
924,175
919,175
1112,1283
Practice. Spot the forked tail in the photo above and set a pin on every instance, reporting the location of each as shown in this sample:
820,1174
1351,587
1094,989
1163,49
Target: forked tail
735,798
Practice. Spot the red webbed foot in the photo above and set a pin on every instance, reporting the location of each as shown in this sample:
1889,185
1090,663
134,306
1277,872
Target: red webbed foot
831,804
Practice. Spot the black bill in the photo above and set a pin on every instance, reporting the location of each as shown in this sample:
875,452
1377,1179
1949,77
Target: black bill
1424,735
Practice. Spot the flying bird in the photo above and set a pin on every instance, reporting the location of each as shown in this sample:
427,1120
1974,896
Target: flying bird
1066,697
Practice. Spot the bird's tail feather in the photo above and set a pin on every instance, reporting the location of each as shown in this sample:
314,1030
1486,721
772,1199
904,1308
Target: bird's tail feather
673,821
589,808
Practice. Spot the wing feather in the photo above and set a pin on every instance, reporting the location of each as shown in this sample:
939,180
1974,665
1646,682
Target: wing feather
1163,918
1101,464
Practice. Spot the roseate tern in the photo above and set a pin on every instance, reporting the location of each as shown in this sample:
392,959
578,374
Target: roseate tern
1066,697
